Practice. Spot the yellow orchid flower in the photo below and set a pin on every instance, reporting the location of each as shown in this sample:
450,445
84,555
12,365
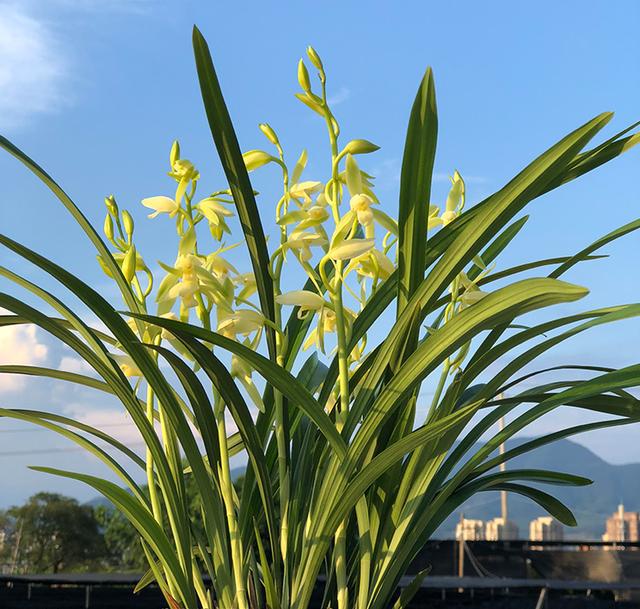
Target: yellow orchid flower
361,205
301,242
183,172
188,286
161,205
127,365
183,169
350,248
219,266
247,281
186,290
243,372
253,159
304,190
374,264
242,321
309,215
472,293
305,300
455,199
215,213
326,323
434,217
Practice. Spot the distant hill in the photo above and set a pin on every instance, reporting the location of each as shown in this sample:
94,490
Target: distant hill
100,501
592,505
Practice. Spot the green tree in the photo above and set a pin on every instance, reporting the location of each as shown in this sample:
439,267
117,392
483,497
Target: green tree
56,534
7,534
123,550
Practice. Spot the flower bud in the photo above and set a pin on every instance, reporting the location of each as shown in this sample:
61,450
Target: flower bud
350,248
256,158
174,154
127,222
108,227
303,77
129,264
360,202
360,147
269,133
112,206
315,58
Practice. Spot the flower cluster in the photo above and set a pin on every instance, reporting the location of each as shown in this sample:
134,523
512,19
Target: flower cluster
335,228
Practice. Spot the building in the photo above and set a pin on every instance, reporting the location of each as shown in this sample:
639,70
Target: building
501,529
469,529
545,528
622,526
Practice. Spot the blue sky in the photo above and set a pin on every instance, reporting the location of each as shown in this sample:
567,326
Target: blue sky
96,90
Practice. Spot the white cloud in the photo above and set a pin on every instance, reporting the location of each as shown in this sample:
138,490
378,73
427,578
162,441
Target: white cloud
340,96
33,68
19,345
74,364
118,423
115,422
35,62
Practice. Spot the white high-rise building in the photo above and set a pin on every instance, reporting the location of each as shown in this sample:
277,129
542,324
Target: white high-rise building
470,530
500,529
545,528
622,526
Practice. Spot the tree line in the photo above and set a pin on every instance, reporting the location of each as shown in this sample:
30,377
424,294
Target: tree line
52,533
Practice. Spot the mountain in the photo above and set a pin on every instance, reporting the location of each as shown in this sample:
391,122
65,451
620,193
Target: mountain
591,505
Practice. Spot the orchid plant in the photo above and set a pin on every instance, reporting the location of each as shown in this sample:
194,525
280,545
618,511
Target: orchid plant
348,472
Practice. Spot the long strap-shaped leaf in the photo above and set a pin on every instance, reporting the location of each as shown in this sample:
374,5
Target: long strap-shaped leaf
80,218
281,379
415,189
468,242
224,383
231,158
518,298
173,485
143,521
336,501
439,243
45,419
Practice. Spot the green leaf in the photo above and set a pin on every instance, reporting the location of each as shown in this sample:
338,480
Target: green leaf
408,592
596,245
498,245
142,520
80,218
550,504
49,421
233,164
515,299
415,189
222,380
280,378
